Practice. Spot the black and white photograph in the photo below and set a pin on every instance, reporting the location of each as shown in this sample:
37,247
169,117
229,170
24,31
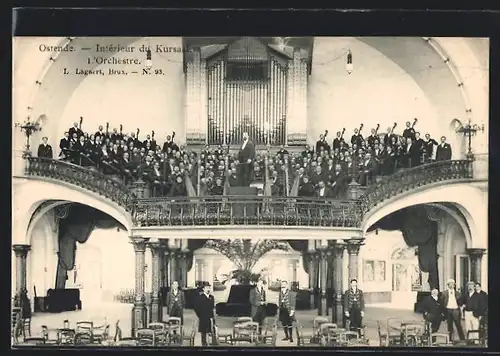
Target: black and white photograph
250,192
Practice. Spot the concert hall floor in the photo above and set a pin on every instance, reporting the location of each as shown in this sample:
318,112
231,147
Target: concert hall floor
111,312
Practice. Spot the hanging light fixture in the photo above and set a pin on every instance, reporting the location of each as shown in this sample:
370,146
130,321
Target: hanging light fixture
348,64
148,63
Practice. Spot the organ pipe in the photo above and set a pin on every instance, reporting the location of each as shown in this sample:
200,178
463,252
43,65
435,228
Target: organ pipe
247,96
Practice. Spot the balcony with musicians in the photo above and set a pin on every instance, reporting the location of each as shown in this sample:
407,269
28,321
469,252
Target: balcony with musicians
329,167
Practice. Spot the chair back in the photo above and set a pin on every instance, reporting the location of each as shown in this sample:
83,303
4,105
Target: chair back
327,326
145,337
157,326
346,336
243,319
84,326
318,321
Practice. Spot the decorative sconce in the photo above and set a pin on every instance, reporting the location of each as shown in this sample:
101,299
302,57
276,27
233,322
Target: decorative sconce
469,130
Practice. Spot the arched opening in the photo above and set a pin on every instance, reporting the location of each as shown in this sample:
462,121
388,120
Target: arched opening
413,250
75,247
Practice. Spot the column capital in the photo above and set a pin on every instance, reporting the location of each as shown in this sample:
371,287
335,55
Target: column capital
139,243
353,245
476,252
154,246
339,248
21,250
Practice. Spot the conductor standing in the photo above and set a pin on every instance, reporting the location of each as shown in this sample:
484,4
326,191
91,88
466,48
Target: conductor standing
246,157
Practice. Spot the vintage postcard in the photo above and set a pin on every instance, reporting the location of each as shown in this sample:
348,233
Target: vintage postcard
250,191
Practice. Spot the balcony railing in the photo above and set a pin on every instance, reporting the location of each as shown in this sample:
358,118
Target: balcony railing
237,210
412,178
255,210
87,178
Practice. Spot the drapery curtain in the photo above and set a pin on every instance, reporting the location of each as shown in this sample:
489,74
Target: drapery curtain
193,245
301,246
77,227
418,230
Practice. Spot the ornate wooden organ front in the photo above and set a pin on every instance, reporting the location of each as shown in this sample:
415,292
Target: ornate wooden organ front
246,85
247,92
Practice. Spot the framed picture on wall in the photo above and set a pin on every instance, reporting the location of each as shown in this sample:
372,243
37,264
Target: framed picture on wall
373,271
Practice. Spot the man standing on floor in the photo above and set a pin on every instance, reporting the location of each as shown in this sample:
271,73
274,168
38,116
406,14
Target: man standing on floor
175,302
433,310
287,300
204,309
451,300
354,306
258,302
246,157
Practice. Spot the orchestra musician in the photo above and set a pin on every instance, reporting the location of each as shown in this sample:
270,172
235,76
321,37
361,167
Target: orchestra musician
409,131
357,138
429,144
204,309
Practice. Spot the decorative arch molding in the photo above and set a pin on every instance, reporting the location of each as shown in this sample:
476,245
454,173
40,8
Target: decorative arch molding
467,198
451,50
29,194
459,218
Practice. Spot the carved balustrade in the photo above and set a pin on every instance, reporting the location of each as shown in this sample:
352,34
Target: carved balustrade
237,210
412,178
82,177
255,210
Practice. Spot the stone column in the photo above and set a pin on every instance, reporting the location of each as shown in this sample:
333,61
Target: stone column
139,310
21,252
173,266
337,316
185,257
323,263
155,281
475,255
353,246
312,259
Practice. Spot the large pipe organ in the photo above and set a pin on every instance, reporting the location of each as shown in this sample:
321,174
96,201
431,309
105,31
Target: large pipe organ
249,86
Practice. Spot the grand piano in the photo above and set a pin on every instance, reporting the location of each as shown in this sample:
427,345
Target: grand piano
238,303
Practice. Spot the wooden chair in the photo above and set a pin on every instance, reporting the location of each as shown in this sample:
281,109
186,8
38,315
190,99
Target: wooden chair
66,337
393,332
246,332
344,337
27,327
50,335
145,337
305,339
412,334
174,330
100,334
269,334
317,323
439,339
84,332
161,333
189,336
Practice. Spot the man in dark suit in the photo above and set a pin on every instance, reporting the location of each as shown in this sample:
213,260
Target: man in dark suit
287,300
481,308
409,132
357,138
429,144
443,151
75,129
354,306
433,310
175,302
257,300
412,154
246,156
337,142
322,143
64,144
451,299
204,309
45,150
